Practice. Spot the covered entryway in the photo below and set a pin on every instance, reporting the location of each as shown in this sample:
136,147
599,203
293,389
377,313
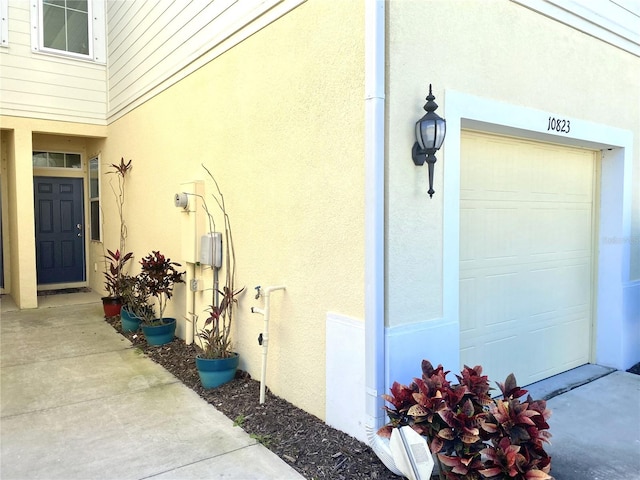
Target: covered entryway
59,228
526,256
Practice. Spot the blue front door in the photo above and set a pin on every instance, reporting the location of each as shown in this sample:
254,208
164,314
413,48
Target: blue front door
59,217
1,249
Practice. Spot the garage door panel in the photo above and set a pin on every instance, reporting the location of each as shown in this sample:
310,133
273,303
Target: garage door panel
498,243
553,352
497,356
525,256
486,307
574,317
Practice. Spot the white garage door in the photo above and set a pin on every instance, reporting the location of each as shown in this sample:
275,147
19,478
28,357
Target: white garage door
526,236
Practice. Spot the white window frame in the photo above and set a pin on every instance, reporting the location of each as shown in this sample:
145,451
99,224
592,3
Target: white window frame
65,168
4,23
96,33
93,200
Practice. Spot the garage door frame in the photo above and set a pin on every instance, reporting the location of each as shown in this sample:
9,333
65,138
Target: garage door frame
613,210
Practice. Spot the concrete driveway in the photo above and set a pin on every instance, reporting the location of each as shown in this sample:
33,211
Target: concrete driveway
596,430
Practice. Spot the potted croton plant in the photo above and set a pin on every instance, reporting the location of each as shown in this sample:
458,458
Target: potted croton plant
159,275
217,362
113,282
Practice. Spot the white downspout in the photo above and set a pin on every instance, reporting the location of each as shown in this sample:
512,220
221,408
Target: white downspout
374,212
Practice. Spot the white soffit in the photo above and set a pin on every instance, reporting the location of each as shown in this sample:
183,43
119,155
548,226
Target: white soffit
242,19
613,21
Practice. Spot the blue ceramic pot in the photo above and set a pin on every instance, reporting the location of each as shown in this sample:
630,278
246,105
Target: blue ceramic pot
129,322
214,372
160,334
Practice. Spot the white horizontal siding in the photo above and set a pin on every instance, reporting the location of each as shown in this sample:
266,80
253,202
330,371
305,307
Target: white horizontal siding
47,86
614,21
153,44
153,51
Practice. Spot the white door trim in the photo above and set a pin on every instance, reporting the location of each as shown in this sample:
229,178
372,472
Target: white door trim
466,111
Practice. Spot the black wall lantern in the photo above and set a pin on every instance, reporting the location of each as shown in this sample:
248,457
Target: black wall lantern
430,132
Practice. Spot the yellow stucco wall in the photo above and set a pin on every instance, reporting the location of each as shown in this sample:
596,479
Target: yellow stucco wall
501,51
279,120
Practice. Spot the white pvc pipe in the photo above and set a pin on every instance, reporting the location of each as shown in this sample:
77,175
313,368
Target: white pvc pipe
374,211
189,327
266,312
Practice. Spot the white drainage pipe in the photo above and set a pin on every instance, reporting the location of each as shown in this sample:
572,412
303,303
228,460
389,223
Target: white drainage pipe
406,453
264,336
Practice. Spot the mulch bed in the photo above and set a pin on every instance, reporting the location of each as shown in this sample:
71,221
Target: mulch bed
302,440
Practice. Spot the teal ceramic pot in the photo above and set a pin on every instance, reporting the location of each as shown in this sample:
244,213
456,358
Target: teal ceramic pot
214,372
157,335
129,322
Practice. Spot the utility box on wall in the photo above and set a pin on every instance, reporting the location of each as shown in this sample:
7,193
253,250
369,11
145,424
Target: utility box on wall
211,249
193,219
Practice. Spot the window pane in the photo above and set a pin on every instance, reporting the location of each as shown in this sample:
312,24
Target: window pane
59,3
39,159
77,32
95,220
93,178
54,28
81,5
56,160
73,160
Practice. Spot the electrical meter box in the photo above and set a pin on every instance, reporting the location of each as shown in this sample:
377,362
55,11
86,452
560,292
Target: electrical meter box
211,249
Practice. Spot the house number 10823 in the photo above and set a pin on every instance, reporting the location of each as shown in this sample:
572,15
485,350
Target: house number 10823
559,125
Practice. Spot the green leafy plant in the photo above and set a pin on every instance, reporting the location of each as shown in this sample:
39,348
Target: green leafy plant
159,275
474,436
262,439
135,297
216,332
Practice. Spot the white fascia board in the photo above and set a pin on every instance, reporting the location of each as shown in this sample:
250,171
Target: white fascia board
4,23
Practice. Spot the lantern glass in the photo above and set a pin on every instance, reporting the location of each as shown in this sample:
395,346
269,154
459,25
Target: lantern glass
425,133
441,130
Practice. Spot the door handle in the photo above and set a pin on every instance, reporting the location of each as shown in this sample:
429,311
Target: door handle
79,226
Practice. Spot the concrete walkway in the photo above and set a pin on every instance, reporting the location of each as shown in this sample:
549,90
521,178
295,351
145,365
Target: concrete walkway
77,402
